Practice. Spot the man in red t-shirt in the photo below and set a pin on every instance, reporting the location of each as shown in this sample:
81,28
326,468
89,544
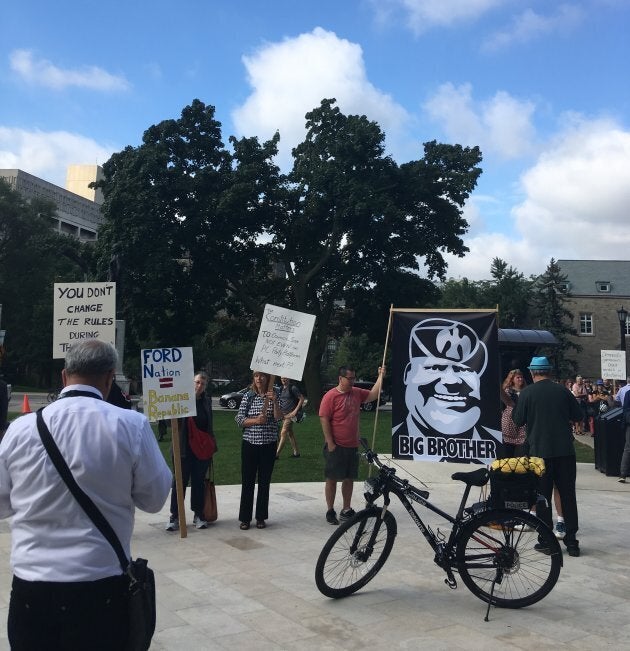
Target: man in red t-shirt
339,416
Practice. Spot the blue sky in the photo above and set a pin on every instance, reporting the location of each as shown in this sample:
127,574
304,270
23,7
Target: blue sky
542,87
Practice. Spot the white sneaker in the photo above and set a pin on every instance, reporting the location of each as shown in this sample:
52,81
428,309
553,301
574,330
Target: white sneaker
560,530
200,523
173,524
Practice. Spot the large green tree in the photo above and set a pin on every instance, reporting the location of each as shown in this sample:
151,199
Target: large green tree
511,291
196,227
354,216
183,221
549,300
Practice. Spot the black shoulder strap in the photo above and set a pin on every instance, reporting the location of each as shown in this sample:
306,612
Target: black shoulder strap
85,502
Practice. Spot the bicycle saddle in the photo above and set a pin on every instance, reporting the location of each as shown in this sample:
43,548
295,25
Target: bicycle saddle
477,477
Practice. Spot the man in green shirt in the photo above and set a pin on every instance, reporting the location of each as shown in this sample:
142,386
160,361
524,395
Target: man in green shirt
547,409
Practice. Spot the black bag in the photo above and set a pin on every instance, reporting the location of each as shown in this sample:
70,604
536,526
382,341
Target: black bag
141,590
141,605
512,490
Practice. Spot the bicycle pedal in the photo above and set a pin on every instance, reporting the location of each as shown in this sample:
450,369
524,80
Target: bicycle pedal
451,582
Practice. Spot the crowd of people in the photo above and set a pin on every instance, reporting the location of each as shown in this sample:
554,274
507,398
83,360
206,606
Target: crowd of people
542,420
72,567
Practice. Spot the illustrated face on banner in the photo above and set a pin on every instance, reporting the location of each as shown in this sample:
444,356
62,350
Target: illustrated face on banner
442,379
445,386
442,395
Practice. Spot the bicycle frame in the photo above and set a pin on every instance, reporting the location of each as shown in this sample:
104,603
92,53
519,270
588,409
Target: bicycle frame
407,493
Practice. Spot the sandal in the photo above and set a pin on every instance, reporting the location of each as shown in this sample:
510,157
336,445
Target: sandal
260,524
244,526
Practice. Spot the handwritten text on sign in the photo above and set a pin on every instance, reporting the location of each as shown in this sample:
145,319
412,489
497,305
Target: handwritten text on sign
83,311
283,342
168,383
613,364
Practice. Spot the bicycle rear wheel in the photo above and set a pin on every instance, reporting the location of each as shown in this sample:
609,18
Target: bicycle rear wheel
498,562
352,556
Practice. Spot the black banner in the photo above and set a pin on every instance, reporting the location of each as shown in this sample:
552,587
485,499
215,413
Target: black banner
445,386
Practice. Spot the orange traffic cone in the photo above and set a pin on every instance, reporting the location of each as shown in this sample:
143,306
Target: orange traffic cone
26,408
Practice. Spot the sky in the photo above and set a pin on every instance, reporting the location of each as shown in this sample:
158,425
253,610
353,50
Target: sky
542,87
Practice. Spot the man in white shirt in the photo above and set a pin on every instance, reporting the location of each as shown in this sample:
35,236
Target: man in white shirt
68,590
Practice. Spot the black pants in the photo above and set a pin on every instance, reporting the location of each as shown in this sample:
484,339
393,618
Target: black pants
256,460
68,616
560,471
193,469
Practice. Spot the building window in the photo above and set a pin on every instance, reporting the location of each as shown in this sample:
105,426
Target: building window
628,325
603,287
586,324
563,287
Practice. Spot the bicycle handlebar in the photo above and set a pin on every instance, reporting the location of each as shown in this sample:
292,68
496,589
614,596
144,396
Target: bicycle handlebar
401,484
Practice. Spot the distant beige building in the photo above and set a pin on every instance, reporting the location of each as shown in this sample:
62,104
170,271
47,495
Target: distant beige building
78,210
78,179
597,288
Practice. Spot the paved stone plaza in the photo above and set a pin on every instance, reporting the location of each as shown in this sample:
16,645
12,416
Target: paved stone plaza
223,588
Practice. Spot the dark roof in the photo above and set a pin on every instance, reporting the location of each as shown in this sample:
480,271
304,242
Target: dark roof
526,337
583,274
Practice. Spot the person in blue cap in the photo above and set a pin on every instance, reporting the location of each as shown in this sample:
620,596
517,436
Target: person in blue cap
547,410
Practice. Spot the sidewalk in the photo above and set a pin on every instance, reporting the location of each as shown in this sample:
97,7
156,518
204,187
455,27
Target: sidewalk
223,588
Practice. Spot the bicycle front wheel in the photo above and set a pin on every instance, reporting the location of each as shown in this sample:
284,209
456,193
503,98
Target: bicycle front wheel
498,562
355,553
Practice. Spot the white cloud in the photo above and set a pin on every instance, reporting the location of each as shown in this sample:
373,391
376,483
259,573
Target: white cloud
529,26
421,15
575,206
292,77
47,154
501,125
44,73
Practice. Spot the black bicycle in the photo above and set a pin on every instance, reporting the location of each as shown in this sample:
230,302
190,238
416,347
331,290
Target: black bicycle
506,557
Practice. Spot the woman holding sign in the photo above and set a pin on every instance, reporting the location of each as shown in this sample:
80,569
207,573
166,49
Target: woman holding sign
197,446
258,416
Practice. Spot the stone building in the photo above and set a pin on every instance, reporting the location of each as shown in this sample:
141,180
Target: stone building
598,289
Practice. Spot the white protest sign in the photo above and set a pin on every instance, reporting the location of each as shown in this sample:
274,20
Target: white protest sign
613,364
83,311
168,383
283,342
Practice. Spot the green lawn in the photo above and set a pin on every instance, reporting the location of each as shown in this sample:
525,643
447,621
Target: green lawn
310,466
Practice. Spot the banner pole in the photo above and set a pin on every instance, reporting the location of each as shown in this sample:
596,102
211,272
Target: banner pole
177,468
378,399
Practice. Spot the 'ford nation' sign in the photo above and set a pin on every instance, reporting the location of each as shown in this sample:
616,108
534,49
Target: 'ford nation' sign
168,383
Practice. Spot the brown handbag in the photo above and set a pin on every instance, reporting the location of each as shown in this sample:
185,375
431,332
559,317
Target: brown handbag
210,496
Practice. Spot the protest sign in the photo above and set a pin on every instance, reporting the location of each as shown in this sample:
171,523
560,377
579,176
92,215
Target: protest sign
613,364
445,386
283,342
83,311
168,383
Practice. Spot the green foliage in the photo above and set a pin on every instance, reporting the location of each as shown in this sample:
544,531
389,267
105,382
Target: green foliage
367,307
357,351
511,291
198,229
33,256
549,306
508,290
